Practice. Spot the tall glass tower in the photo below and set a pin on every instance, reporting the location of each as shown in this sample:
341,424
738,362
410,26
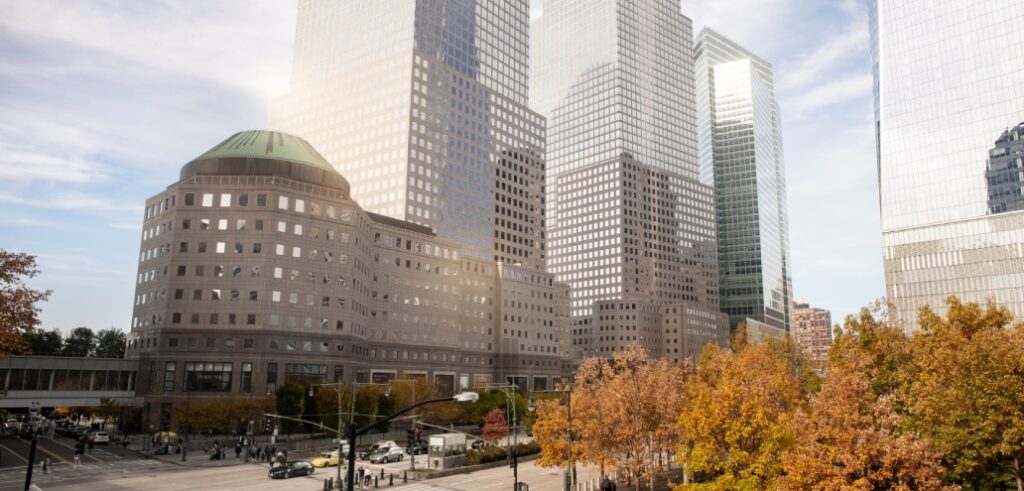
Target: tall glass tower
948,85
421,105
631,229
740,135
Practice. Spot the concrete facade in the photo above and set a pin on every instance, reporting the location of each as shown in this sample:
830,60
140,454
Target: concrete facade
258,269
812,331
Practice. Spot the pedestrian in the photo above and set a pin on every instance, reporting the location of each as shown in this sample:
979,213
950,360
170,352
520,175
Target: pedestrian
46,464
238,451
77,461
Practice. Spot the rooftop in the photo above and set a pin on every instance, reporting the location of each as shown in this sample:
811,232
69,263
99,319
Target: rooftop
273,145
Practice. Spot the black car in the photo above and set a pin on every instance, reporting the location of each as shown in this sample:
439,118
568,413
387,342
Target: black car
292,469
417,448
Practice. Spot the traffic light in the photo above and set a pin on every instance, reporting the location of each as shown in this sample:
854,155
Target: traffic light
266,426
410,436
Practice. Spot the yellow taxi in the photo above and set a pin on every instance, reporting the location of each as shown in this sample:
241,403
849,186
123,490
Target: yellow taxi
327,458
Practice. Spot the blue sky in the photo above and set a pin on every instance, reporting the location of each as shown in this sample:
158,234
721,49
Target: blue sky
102,102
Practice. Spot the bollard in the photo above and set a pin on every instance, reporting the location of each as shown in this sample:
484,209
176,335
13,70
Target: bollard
375,482
405,476
391,479
382,473
325,485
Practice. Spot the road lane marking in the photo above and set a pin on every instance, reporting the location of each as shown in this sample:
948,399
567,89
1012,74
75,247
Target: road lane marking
72,449
12,452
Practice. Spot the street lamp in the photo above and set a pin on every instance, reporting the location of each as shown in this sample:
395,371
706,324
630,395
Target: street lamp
353,433
504,388
337,387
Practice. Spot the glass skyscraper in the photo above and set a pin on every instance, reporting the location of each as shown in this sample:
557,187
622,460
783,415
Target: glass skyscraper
631,229
740,135
948,82
421,105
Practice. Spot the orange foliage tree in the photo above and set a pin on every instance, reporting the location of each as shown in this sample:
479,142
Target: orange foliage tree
19,314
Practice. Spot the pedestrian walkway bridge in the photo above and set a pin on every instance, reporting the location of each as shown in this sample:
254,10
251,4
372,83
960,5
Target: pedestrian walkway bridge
53,381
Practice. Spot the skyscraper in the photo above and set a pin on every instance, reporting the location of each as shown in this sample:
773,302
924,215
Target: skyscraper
631,229
945,88
1005,173
422,106
740,133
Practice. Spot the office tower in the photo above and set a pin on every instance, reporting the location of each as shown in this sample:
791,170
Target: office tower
422,106
631,230
812,331
1005,173
945,89
740,135
258,269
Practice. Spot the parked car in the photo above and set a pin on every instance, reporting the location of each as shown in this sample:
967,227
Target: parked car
417,449
292,469
384,455
100,437
365,454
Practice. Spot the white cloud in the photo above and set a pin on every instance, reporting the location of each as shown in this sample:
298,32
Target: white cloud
835,50
71,200
240,43
827,94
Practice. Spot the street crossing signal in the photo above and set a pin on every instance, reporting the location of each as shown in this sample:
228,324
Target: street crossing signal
266,425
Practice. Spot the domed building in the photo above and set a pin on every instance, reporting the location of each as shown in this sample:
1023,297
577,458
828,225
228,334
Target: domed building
257,269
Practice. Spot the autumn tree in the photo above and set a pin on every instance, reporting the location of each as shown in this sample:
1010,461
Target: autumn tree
290,401
19,314
967,391
738,418
495,426
549,431
623,409
849,439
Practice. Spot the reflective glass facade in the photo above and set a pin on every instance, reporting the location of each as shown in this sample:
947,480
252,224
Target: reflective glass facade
1005,173
740,135
613,77
422,106
948,82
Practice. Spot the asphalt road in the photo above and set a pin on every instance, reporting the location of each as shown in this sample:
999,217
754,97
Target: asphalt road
102,461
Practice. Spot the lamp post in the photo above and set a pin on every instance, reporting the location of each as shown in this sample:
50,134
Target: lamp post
337,389
567,390
514,427
353,433
412,384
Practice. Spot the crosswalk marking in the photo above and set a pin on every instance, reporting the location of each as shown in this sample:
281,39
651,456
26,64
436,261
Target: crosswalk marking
419,487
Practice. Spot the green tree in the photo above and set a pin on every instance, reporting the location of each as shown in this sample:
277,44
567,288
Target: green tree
43,342
19,314
966,392
290,401
81,342
110,343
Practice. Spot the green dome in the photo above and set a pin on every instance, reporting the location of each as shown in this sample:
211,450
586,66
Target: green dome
261,152
274,145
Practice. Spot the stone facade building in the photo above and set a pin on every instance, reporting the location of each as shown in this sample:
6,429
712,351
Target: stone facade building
812,331
258,269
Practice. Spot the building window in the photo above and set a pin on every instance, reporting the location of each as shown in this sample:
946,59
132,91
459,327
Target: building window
225,200
305,374
169,371
190,199
229,343
271,377
261,200
176,318
243,199
207,377
207,200
247,343
245,380
172,342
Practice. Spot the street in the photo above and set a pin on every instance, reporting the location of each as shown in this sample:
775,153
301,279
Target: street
105,460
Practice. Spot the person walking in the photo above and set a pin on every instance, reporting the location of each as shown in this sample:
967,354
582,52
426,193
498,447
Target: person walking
77,461
46,464
238,451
